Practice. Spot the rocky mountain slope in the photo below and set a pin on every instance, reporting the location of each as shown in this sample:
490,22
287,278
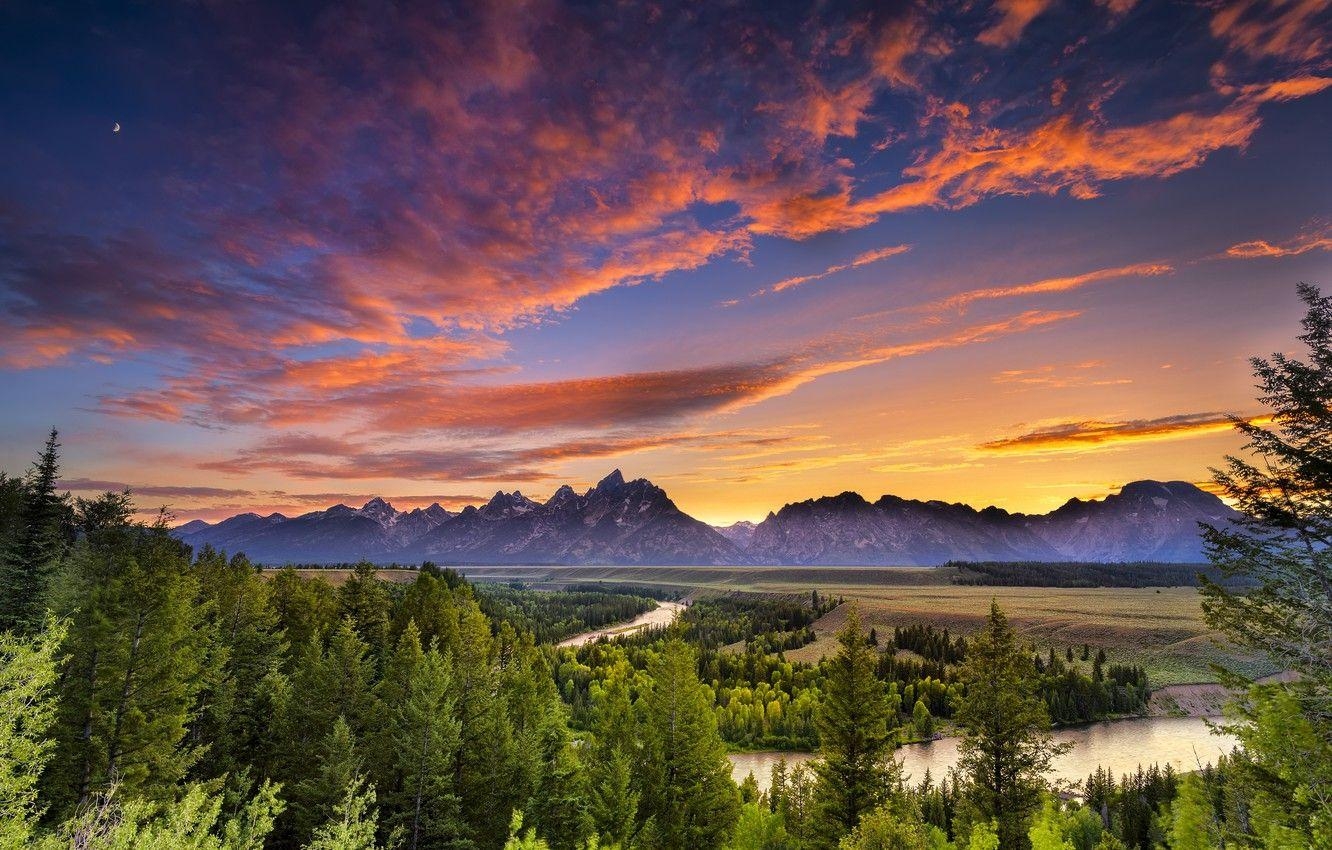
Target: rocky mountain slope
635,522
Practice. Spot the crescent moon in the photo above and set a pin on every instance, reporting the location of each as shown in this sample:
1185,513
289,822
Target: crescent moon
116,128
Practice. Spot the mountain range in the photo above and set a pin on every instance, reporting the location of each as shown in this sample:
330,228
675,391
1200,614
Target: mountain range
635,522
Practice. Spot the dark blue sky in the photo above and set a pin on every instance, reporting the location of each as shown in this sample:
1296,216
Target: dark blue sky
1007,251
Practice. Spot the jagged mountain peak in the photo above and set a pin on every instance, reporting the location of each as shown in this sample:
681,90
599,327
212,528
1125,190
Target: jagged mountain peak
563,498
503,505
380,511
635,522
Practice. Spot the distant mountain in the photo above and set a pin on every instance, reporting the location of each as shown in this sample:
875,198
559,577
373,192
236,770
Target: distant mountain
635,522
739,533
615,522
1145,521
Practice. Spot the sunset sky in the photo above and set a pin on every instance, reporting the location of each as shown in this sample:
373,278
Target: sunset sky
1001,252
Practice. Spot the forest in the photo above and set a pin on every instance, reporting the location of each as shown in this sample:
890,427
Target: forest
763,701
155,697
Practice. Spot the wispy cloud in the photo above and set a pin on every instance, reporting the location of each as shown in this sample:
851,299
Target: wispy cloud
1096,435
1014,16
856,262
1316,236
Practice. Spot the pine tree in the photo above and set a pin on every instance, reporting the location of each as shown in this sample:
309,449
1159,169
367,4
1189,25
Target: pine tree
39,539
353,824
27,710
364,600
1006,749
421,736
193,821
614,799
1282,544
306,609
483,767
136,654
1192,822
235,710
687,790
334,767
856,737
897,825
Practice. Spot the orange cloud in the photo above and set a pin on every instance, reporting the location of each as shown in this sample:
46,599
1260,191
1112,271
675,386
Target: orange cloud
1288,30
856,262
1014,16
1059,377
1097,435
1314,237
1053,284
1062,154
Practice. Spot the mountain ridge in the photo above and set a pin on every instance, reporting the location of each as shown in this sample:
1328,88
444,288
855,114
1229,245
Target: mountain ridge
636,523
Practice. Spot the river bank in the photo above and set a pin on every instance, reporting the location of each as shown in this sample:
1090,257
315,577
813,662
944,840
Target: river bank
663,615
1186,743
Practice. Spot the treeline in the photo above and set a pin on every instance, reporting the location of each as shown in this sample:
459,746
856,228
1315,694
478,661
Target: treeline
1092,574
761,700
553,615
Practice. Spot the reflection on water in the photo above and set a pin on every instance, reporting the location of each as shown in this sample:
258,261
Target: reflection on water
1120,745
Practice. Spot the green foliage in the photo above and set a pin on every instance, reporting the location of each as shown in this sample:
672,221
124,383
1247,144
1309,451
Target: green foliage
857,735
894,826
36,538
551,616
363,600
760,828
687,790
419,737
519,840
27,710
237,704
1192,822
612,792
1006,748
138,651
354,822
194,822
984,836
1283,545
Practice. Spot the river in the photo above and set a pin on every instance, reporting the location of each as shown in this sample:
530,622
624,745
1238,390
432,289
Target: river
662,615
1120,745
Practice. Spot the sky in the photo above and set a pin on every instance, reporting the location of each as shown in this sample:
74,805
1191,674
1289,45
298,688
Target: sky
998,252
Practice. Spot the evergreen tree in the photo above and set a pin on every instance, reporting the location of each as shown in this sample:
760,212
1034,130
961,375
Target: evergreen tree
236,708
856,737
27,710
422,736
897,825
194,821
1192,821
135,657
1006,749
484,772
354,822
306,609
334,775
759,828
687,790
364,601
1282,543
39,538
613,797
